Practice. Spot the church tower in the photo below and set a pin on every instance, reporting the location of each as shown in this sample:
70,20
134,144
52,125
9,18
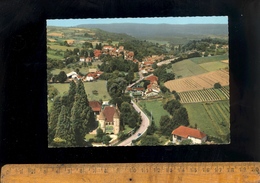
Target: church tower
116,119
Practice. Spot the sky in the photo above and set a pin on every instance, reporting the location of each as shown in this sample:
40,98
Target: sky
159,20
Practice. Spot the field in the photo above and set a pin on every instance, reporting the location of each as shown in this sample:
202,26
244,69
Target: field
199,82
60,47
213,66
186,68
201,60
210,94
156,108
211,118
99,85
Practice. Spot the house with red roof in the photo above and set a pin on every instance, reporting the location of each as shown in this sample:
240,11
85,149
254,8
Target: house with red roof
183,133
109,120
95,106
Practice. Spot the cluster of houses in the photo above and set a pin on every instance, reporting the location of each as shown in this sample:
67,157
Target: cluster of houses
147,62
153,89
91,76
112,51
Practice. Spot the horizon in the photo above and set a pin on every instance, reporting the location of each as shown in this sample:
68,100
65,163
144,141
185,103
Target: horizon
148,21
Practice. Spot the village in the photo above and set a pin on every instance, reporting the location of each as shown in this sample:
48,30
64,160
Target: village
147,86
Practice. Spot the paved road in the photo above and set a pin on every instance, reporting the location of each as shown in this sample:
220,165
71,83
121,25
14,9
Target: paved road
140,131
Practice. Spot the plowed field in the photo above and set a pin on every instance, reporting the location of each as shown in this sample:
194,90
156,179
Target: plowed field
199,82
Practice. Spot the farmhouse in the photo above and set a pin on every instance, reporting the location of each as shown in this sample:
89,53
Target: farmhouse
109,120
183,133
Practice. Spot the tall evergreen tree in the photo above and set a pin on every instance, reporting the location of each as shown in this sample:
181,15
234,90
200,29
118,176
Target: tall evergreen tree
53,118
71,96
82,116
64,130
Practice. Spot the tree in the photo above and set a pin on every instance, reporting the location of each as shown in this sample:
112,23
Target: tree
71,96
217,85
167,125
171,106
186,142
62,77
150,141
129,116
181,117
52,92
64,130
53,118
82,116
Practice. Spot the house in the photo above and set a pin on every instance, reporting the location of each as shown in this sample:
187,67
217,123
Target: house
97,54
183,133
109,120
152,79
82,59
72,75
95,106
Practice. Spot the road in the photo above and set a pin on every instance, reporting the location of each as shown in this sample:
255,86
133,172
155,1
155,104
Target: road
166,61
144,125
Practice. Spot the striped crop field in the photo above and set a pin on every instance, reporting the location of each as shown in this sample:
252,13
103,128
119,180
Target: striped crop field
199,82
205,95
213,118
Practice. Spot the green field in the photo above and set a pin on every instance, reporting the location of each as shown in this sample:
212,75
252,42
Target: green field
83,70
211,118
186,68
55,46
99,85
213,66
156,108
201,60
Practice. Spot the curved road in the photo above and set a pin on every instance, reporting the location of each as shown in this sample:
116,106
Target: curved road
144,125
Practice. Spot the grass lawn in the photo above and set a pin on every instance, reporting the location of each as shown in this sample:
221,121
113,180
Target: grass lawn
156,108
200,60
127,129
90,136
209,122
213,66
59,47
186,68
99,85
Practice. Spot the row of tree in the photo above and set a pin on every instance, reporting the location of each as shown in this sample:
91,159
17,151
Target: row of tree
70,118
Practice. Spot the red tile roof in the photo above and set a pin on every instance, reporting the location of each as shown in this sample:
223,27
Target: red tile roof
184,132
152,78
95,105
109,113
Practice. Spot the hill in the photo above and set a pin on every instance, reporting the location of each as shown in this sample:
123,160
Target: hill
162,30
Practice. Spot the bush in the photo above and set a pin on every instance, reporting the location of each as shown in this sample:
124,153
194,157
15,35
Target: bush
217,85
